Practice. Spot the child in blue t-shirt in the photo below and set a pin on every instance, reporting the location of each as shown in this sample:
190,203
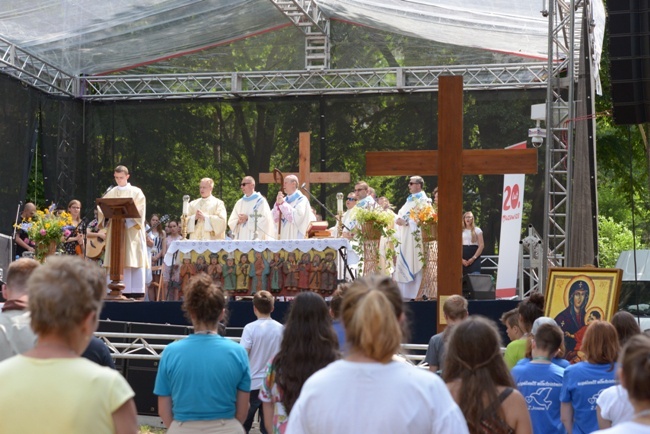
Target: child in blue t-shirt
584,381
540,381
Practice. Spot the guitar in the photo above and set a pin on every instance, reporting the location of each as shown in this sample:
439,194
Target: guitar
95,246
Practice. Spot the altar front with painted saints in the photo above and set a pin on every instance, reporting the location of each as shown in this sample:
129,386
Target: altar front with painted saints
285,268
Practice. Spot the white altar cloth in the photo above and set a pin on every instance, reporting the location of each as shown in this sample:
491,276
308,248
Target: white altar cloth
318,244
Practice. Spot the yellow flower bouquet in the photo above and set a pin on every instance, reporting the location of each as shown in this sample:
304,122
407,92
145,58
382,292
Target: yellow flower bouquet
425,215
46,229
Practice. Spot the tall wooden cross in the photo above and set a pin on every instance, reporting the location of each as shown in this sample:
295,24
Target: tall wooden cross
450,163
305,175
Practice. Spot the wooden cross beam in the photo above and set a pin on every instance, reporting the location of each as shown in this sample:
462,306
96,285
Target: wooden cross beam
305,175
450,163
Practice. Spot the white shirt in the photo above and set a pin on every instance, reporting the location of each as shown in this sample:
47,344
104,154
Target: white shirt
349,397
615,405
467,237
262,338
626,428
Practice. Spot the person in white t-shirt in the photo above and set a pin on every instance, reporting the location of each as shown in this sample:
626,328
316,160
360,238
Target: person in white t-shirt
472,245
262,339
368,392
634,373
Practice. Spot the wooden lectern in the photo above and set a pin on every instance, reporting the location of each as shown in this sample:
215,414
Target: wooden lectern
117,209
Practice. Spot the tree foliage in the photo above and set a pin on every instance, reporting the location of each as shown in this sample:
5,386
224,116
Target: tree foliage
614,237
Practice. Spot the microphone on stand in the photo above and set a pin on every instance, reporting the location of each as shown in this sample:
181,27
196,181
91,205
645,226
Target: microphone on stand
110,187
82,225
311,196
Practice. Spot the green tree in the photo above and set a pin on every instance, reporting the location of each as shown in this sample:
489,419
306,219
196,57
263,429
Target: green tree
613,238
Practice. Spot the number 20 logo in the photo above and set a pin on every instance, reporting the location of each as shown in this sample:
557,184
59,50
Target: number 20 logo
511,201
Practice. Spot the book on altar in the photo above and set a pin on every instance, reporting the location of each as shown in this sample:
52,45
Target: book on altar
318,230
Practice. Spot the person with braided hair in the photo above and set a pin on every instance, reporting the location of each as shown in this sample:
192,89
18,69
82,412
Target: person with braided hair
479,380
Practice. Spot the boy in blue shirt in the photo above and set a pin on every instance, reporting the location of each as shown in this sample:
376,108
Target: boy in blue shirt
540,381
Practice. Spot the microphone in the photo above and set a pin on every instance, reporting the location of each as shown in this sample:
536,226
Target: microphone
110,187
81,225
302,187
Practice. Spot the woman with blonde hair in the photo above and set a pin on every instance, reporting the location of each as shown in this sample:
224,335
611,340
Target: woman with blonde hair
472,245
584,381
634,373
368,391
204,380
479,380
73,241
50,388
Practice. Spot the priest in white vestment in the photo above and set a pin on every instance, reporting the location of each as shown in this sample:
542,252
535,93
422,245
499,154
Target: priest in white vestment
136,260
251,215
408,268
294,210
207,216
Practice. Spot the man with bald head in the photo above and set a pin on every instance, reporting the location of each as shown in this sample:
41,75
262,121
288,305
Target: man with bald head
16,335
251,215
207,215
292,212
23,244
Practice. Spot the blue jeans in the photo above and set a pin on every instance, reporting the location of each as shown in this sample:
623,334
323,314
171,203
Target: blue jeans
255,404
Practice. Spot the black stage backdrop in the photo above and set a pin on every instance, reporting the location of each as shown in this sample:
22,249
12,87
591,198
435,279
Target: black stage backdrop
169,145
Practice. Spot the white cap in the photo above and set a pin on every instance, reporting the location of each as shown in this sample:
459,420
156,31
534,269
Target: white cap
540,321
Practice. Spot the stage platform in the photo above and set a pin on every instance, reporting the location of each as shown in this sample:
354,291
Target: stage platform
421,315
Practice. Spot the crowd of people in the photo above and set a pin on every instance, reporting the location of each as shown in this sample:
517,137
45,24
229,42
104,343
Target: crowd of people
252,218
327,369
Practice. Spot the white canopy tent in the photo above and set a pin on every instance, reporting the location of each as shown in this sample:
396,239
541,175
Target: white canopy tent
84,37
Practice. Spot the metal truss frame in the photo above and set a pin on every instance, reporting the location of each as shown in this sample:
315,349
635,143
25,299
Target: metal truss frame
141,346
326,82
564,48
36,72
306,15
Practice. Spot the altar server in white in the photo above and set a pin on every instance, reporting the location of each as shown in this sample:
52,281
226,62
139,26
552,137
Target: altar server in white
207,216
294,209
136,260
408,268
250,211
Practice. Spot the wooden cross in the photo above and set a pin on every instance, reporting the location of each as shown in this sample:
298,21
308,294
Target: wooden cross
305,175
450,163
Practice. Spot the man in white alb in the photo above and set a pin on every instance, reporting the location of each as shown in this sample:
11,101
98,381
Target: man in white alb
136,260
207,216
294,210
408,268
251,215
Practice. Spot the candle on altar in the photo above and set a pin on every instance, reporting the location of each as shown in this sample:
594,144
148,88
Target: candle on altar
186,204
339,203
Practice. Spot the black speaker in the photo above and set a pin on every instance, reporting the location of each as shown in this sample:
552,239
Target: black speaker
478,287
141,374
629,54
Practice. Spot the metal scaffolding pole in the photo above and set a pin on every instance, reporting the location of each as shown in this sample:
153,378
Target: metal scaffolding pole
564,49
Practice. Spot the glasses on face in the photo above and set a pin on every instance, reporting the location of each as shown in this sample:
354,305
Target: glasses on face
359,189
243,184
414,183
352,199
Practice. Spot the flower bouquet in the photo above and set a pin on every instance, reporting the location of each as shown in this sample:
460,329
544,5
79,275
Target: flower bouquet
425,217
46,230
372,223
